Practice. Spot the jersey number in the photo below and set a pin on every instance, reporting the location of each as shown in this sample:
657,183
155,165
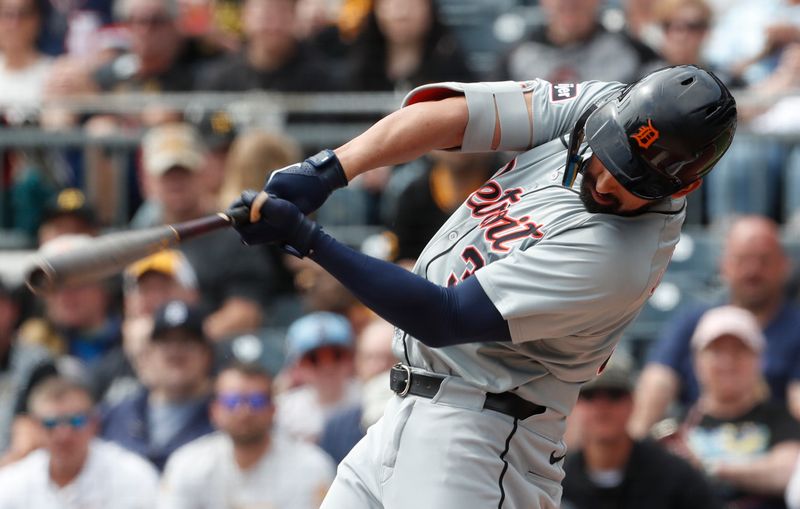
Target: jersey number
474,260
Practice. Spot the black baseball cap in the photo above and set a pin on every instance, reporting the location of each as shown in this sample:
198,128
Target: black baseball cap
69,202
178,315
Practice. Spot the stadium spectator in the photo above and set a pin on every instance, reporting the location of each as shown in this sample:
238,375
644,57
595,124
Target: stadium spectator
426,203
640,21
74,469
217,132
245,464
80,321
173,409
614,471
16,363
23,68
319,346
373,359
755,268
161,59
746,443
573,46
272,57
404,44
68,213
253,155
748,36
147,285
234,281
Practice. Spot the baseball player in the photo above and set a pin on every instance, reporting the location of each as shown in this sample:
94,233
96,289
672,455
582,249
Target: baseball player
566,242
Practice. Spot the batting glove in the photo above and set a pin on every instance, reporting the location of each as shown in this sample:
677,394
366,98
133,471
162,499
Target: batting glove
281,223
308,184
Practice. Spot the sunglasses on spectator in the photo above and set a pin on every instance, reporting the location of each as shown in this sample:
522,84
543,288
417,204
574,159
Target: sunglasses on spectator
233,400
686,26
74,421
325,354
607,394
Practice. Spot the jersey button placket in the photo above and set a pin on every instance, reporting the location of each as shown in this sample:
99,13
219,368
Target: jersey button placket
452,236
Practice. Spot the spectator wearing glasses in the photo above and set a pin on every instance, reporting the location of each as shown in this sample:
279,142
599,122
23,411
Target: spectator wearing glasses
74,469
173,407
245,464
320,350
614,471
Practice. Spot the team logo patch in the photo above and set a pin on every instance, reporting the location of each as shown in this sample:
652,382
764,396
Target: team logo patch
563,92
646,135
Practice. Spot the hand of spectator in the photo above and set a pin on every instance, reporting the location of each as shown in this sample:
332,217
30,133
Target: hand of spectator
26,436
69,76
308,184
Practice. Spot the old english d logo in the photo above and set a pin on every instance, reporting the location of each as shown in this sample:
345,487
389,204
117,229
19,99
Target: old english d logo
646,135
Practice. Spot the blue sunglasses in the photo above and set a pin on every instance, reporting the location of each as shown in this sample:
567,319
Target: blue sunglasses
231,400
75,421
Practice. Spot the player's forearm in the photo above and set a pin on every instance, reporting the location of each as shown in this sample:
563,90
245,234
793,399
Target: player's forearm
405,135
435,315
768,475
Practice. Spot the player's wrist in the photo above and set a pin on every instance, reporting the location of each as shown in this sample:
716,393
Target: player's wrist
329,169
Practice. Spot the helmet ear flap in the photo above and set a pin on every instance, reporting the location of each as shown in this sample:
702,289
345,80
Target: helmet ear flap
575,159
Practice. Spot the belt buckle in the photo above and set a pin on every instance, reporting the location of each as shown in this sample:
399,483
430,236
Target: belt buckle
407,388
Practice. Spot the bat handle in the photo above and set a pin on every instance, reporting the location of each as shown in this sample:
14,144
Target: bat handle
238,216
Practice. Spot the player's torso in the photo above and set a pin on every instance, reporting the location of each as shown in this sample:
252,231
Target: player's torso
522,204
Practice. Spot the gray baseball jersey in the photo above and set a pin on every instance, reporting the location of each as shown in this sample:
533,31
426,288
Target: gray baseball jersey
567,281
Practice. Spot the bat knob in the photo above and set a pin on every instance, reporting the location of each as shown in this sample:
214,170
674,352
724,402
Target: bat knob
238,216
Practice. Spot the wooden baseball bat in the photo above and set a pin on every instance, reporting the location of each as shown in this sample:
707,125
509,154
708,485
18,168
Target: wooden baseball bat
109,254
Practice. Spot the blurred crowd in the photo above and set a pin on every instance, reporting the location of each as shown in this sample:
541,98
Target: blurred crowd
218,375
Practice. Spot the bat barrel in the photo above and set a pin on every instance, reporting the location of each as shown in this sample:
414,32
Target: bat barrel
99,258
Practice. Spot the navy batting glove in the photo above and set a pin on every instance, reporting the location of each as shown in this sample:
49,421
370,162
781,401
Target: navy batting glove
281,223
308,184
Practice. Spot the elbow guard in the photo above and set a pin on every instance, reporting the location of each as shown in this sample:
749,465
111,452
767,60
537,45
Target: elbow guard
489,103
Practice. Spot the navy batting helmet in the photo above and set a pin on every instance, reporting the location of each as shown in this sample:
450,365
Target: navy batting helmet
660,133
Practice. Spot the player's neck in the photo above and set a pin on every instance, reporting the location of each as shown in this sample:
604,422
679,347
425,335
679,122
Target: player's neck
607,454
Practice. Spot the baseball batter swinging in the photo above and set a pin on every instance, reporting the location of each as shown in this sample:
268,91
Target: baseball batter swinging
524,292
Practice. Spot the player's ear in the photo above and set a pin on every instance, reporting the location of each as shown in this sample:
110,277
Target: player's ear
688,189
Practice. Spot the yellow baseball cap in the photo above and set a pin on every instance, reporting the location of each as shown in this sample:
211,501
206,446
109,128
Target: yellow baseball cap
169,262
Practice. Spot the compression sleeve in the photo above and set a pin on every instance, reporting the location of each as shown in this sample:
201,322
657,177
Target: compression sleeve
438,316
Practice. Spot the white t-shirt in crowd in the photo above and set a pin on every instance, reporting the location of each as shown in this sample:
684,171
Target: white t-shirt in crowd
23,88
203,475
111,477
300,415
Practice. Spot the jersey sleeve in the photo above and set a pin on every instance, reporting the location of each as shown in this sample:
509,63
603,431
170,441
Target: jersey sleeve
577,283
556,107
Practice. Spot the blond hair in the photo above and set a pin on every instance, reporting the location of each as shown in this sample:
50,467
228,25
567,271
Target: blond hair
252,157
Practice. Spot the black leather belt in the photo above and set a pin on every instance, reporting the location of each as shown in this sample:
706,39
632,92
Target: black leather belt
404,382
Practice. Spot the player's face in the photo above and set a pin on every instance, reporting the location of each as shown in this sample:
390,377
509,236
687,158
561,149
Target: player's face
242,407
601,193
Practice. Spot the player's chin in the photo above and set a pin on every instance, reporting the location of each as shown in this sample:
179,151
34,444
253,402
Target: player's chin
614,206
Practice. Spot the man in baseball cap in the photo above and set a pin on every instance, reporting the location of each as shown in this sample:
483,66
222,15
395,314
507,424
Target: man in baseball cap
174,404
611,469
735,430
320,351
67,213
